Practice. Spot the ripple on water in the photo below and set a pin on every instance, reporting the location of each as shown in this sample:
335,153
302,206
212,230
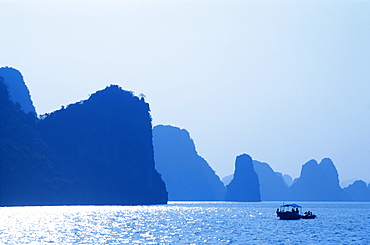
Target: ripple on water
184,223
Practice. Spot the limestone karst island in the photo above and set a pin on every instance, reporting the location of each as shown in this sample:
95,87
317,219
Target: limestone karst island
105,151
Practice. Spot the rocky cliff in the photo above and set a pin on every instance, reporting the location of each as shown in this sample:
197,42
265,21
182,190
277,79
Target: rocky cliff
97,151
27,175
187,175
106,144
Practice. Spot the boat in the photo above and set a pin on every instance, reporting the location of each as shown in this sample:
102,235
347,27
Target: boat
308,215
293,212
289,212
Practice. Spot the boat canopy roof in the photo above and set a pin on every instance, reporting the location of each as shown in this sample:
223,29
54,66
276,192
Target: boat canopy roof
292,205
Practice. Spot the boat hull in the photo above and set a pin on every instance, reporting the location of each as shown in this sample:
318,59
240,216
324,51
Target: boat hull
308,216
288,215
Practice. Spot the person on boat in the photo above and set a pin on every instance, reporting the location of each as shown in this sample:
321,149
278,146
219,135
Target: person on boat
297,210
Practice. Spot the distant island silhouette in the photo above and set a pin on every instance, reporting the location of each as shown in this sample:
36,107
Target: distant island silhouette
272,185
187,175
318,182
358,191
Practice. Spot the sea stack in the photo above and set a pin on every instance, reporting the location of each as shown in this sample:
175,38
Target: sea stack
244,187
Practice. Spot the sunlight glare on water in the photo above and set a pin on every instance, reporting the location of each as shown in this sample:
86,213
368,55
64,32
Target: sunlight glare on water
184,223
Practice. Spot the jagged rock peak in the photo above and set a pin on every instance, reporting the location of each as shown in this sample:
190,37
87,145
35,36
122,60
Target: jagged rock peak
311,163
111,93
243,163
327,166
18,90
309,168
114,90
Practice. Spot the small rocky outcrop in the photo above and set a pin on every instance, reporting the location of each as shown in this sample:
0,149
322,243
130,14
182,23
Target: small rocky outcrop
288,179
245,185
227,179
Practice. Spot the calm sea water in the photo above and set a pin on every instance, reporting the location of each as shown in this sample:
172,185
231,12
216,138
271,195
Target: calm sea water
185,223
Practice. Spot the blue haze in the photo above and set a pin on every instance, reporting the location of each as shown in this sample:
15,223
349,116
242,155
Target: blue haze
286,81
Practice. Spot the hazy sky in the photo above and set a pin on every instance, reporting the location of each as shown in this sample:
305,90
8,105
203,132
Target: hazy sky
283,81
